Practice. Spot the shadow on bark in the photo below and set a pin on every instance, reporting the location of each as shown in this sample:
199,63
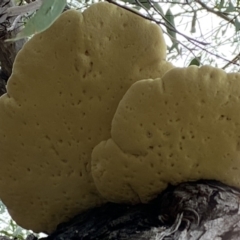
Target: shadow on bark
202,210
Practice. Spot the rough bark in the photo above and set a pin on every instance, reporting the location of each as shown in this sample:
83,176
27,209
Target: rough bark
8,50
201,210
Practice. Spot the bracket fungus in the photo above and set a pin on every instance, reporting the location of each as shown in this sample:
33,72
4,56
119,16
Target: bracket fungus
183,127
65,87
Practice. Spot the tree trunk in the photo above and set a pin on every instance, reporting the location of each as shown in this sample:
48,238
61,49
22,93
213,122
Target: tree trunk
203,210
8,50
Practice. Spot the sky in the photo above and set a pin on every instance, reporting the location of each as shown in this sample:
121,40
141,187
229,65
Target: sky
207,30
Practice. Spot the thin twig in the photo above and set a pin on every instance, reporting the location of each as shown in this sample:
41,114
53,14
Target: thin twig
15,22
218,13
233,61
158,22
213,54
195,42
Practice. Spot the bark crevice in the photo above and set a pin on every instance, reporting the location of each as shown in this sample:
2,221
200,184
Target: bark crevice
200,210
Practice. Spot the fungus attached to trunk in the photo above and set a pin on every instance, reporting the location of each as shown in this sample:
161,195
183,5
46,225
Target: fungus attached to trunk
183,127
61,98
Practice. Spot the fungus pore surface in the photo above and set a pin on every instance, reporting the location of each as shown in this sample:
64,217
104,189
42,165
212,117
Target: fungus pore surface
61,98
185,126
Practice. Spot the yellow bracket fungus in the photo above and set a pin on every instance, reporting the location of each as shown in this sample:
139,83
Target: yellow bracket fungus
183,127
61,98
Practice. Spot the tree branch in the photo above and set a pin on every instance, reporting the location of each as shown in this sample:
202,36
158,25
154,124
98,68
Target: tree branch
194,210
157,22
233,61
218,13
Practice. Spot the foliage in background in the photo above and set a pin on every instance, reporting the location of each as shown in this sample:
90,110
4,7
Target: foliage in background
43,19
197,30
201,29
8,227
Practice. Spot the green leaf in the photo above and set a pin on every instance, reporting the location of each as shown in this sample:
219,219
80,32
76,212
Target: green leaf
195,61
158,8
129,1
2,208
145,4
174,45
194,20
237,25
174,3
220,5
43,19
13,225
230,7
170,24
6,233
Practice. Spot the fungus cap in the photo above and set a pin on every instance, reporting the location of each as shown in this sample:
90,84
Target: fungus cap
185,126
62,95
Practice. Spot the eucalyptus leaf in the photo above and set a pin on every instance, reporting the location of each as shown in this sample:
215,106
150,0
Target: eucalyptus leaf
194,20
230,7
13,225
2,207
170,24
169,19
43,19
18,231
174,46
129,1
237,25
158,8
6,233
173,3
145,4
221,4
223,32
195,61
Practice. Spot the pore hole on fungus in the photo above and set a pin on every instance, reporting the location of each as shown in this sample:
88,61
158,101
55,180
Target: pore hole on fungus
47,137
149,134
180,146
